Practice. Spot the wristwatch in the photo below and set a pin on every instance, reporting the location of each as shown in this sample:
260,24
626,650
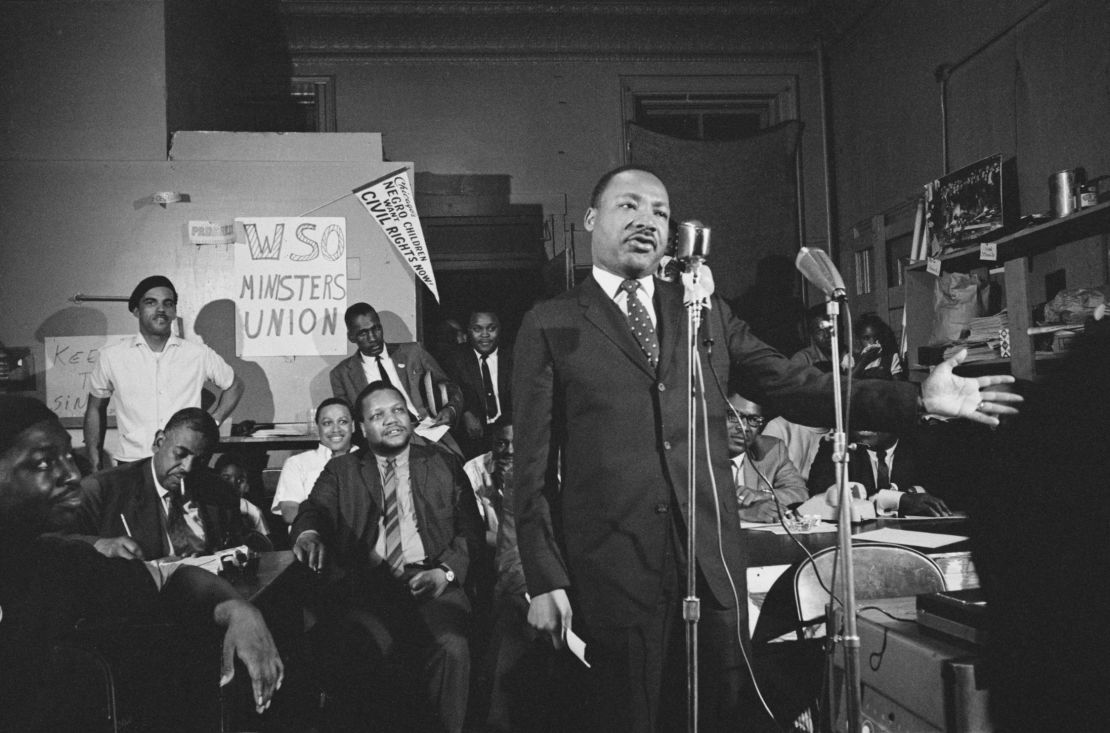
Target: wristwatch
449,573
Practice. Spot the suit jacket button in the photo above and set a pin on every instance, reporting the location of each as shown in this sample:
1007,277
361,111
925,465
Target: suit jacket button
661,508
666,445
662,387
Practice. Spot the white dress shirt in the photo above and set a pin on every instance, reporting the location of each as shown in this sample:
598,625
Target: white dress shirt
411,544
148,387
611,284
373,374
299,474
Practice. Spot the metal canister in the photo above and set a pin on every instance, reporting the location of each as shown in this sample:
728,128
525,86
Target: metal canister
1061,192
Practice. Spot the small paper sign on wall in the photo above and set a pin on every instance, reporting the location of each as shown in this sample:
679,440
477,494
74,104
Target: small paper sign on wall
291,286
390,202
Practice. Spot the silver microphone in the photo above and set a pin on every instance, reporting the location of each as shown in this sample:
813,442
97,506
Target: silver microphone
816,266
692,241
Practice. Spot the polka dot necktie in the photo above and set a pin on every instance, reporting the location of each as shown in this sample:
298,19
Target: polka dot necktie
640,322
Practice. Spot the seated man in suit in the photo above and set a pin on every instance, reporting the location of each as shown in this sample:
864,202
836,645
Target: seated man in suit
891,471
404,366
484,372
48,583
166,504
751,454
395,526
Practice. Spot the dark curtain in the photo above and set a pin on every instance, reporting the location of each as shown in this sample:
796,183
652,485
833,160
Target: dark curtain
744,190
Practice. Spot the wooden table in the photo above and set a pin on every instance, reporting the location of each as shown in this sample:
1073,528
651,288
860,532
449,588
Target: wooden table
247,443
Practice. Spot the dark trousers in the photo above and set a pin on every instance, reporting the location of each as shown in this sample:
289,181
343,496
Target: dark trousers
640,670
389,660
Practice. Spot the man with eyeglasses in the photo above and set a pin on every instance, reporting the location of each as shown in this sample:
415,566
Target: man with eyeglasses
752,454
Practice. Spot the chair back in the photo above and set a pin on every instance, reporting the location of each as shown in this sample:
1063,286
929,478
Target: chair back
881,571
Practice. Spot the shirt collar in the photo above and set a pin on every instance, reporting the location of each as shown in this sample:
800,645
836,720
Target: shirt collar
611,283
373,359
401,459
163,492
492,355
138,340
889,450
325,452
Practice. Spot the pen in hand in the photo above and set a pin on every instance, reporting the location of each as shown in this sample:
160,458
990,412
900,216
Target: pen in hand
125,527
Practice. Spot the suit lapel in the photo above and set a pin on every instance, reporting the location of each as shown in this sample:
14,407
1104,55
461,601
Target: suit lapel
864,473
372,480
602,312
356,373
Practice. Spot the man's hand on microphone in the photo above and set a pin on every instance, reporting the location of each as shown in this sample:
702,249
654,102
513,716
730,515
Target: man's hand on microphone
550,612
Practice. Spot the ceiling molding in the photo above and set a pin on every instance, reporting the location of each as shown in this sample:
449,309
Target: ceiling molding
651,30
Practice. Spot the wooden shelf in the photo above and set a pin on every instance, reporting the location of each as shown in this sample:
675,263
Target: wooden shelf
1032,240
993,364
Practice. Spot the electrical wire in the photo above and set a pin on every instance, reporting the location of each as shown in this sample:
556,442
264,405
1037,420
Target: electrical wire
699,378
770,488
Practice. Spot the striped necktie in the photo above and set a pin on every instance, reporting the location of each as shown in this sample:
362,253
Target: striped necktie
394,552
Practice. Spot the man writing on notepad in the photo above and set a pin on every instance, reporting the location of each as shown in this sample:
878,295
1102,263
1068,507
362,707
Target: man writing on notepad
161,506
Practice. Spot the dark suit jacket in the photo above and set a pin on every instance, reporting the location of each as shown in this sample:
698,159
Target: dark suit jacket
580,382
412,362
129,491
346,506
465,369
908,468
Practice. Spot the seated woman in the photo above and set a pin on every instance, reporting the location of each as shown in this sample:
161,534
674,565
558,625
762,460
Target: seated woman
231,469
336,428
879,358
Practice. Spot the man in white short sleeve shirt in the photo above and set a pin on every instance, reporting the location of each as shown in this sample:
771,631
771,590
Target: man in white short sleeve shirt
152,375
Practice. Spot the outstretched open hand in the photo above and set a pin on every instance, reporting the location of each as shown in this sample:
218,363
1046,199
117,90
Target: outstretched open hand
948,395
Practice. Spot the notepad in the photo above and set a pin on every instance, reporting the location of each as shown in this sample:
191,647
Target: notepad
909,537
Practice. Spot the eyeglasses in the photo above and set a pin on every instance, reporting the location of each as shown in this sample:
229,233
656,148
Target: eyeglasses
753,421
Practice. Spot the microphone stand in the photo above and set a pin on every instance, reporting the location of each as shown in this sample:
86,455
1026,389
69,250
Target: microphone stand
696,298
850,638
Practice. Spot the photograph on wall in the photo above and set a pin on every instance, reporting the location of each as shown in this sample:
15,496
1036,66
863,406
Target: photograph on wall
965,205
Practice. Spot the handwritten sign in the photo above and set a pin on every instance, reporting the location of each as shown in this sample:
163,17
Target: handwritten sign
291,286
390,202
69,365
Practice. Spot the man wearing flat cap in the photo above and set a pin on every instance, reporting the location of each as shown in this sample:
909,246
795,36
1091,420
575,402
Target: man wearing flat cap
151,376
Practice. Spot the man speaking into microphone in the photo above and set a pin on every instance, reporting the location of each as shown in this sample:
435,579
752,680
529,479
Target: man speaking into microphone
601,376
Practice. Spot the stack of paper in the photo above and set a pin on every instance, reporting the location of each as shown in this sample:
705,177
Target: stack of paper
982,339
